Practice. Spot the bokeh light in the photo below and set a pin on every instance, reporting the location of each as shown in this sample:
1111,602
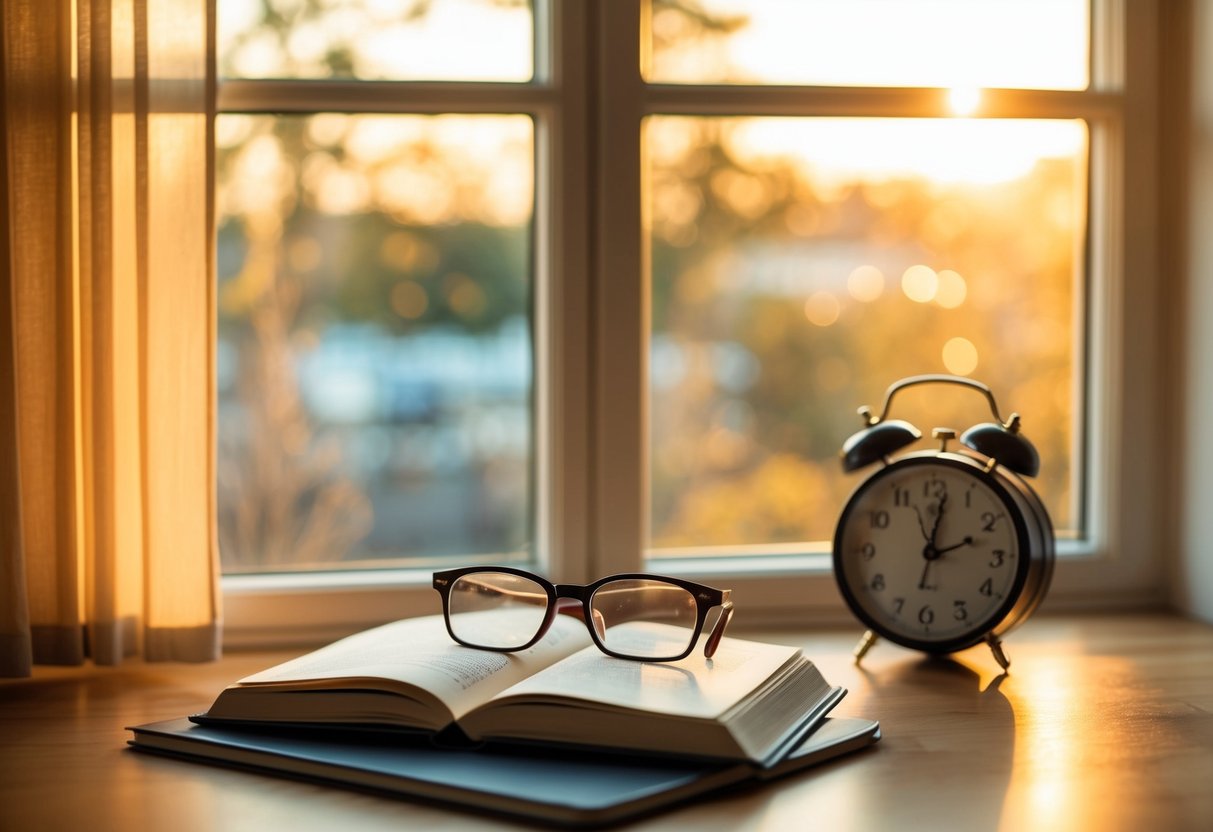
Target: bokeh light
952,289
960,356
866,284
920,283
822,309
409,300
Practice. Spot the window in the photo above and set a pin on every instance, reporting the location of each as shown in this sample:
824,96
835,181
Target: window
800,262
601,285
375,287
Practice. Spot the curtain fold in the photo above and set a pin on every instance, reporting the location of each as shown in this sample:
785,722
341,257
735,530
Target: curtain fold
106,334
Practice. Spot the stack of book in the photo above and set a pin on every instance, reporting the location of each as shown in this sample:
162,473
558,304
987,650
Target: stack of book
559,732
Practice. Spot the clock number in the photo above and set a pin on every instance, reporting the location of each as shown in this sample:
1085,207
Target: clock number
898,603
926,615
999,556
987,587
988,520
877,582
868,550
959,612
969,497
935,488
901,496
880,519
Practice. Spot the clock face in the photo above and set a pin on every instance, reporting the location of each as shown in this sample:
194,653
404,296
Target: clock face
931,552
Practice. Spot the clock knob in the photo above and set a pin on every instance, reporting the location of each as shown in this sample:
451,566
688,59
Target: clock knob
944,435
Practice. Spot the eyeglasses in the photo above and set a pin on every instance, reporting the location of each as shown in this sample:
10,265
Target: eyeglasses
631,616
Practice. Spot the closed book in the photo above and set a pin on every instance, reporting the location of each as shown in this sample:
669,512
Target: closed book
547,785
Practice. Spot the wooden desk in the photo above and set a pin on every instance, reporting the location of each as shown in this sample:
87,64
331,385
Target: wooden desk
1105,723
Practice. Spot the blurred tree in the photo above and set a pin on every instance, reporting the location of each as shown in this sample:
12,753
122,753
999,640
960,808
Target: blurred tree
742,246
386,222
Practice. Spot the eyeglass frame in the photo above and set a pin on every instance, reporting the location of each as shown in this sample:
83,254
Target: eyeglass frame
574,599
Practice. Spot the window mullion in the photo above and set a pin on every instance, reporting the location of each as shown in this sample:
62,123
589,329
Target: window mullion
871,102
562,286
620,300
281,96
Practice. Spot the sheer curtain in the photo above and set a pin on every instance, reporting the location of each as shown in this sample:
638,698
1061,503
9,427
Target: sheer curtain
107,539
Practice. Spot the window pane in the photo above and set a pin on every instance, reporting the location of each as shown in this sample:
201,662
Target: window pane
374,358
800,266
397,40
1032,44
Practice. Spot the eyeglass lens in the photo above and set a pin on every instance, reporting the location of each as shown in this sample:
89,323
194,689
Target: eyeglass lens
496,609
644,618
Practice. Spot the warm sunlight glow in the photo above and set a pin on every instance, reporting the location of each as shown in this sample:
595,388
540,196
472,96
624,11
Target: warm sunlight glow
442,40
359,163
1035,44
978,151
1046,789
964,101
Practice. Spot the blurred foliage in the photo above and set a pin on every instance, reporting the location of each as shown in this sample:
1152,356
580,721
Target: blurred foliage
284,500
739,267
763,350
322,225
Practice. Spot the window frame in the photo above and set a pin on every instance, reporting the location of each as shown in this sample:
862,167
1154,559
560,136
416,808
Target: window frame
592,319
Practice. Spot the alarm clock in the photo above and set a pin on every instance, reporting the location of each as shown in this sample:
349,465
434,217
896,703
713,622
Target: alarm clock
942,549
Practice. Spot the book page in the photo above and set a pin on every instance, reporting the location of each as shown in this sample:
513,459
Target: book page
694,686
419,652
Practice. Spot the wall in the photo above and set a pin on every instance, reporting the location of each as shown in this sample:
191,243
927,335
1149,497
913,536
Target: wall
1192,577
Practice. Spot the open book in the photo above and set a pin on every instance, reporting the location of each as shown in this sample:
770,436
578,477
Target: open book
751,701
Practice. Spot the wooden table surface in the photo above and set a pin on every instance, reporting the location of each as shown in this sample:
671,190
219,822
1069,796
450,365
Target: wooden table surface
1104,723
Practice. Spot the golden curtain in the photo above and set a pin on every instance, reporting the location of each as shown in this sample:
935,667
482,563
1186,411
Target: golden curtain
107,538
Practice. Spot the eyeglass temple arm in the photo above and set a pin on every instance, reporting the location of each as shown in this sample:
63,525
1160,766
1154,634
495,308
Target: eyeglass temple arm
726,615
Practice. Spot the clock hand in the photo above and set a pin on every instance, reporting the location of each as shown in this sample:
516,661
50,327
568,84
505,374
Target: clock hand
922,582
938,517
931,551
968,541
922,527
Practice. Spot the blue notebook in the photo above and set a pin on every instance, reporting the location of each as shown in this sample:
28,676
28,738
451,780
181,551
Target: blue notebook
559,787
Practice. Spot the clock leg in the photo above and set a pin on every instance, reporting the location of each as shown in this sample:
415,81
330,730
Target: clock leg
1000,655
865,644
